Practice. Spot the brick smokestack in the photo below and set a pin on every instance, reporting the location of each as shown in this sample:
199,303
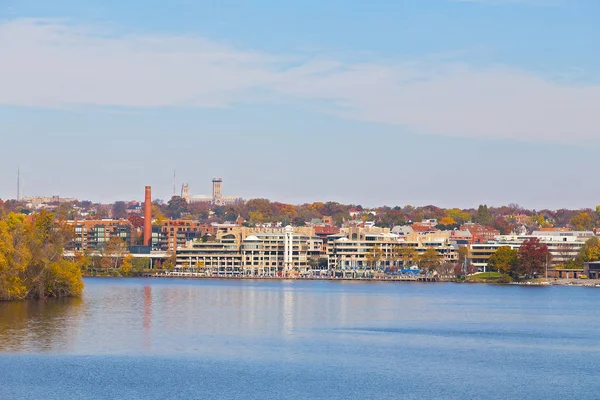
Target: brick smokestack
148,217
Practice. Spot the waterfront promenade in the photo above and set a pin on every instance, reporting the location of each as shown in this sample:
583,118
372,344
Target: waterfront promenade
426,279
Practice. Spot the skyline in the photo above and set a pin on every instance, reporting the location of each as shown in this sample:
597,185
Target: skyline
431,102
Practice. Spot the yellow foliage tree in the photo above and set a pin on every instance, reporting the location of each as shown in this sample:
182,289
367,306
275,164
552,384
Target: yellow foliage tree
32,264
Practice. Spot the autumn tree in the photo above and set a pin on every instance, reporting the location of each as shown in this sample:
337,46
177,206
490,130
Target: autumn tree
430,259
458,215
406,254
127,264
113,252
533,256
119,210
157,214
582,221
32,264
504,260
590,251
374,257
447,221
463,254
170,262
176,207
446,270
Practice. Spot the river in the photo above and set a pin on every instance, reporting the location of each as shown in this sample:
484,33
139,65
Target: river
226,339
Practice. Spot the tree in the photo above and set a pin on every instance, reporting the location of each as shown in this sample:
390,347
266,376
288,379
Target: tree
430,259
446,270
463,254
170,261
176,207
157,214
32,264
504,260
582,221
408,255
458,215
590,251
374,257
65,211
533,256
447,221
484,217
119,210
113,252
127,264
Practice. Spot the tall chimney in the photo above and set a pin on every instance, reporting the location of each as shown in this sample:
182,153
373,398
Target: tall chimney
148,217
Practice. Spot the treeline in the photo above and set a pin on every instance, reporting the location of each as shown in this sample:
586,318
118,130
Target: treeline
32,265
259,211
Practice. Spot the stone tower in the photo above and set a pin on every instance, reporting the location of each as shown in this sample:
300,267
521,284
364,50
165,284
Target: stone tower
185,192
217,193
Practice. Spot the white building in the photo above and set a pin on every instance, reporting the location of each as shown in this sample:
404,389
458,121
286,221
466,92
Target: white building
282,252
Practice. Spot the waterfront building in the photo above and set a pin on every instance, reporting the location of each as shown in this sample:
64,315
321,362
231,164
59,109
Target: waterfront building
95,234
562,246
356,252
252,252
172,234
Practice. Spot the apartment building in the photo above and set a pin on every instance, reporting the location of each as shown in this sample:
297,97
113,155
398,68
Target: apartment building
359,252
562,246
276,252
95,234
176,233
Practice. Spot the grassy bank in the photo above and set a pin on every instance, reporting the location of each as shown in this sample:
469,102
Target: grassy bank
489,277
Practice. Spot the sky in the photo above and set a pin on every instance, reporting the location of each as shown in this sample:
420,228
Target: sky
448,102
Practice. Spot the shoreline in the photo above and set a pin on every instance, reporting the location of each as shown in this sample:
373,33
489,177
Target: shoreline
545,283
273,278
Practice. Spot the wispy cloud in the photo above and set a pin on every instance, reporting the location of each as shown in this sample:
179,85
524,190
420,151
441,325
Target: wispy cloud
55,64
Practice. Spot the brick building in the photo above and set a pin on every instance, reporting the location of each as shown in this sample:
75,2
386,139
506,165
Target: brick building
95,234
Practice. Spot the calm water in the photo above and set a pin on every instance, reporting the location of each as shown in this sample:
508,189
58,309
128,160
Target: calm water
184,339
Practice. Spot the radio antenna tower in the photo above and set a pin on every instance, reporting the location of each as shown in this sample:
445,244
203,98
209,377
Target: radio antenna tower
174,184
18,182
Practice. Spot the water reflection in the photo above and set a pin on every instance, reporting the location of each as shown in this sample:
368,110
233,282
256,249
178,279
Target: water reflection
145,316
39,326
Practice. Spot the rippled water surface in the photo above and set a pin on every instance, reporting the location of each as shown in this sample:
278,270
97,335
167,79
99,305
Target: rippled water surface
194,339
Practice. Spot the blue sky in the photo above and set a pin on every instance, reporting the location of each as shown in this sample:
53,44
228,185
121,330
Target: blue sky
453,103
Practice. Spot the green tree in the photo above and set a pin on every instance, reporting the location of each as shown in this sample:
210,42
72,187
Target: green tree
504,260
484,217
176,207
